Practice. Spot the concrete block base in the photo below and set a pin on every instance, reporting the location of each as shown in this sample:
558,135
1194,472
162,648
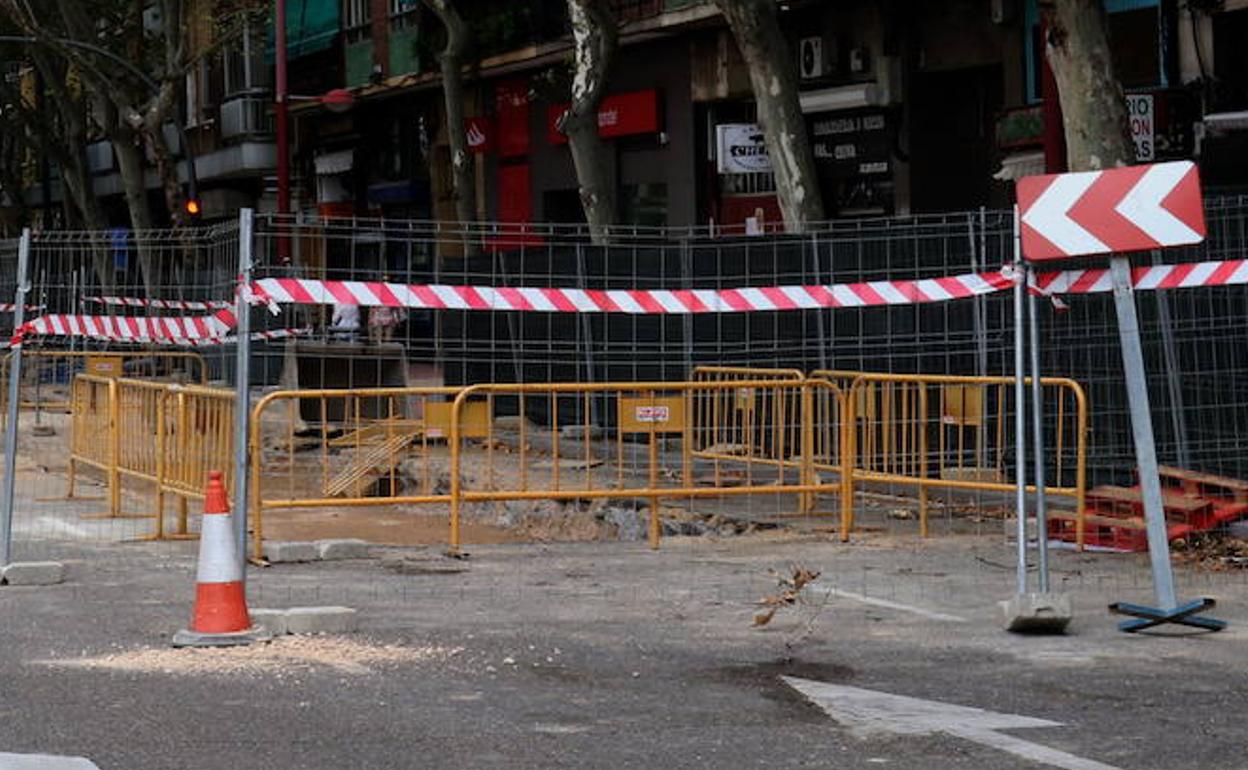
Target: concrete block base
1037,613
332,550
273,621
186,638
320,620
285,552
33,573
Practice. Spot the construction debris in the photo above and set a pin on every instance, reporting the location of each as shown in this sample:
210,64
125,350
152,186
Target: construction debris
1212,551
790,592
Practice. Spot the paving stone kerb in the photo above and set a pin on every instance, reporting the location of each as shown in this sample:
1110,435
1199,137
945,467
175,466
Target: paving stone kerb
33,573
273,621
320,620
332,550
284,552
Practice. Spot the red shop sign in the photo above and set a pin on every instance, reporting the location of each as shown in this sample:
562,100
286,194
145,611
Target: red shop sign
626,114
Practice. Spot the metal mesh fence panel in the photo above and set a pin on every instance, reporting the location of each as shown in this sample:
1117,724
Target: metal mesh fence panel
105,371
1193,337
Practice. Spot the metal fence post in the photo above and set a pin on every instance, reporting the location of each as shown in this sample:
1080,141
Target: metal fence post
242,376
15,403
1020,416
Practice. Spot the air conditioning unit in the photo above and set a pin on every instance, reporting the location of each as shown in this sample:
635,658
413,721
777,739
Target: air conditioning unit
810,57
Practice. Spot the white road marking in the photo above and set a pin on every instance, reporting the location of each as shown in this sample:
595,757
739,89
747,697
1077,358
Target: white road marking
47,523
930,614
44,762
872,713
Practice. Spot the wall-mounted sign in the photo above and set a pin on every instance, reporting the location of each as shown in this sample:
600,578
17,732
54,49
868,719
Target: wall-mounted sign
626,114
851,145
512,105
1141,114
479,134
741,149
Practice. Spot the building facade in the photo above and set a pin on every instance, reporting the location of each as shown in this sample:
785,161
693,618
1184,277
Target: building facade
910,107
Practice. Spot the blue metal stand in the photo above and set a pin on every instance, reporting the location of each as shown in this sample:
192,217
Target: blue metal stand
1184,615
1150,481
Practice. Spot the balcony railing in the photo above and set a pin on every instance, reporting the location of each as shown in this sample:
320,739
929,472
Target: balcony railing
246,116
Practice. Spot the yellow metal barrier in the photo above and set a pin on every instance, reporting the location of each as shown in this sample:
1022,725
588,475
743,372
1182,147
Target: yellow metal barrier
716,436
739,373
168,435
332,448
626,452
42,369
955,433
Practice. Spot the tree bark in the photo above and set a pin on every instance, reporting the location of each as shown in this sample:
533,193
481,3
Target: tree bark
1094,110
595,37
766,53
133,172
452,63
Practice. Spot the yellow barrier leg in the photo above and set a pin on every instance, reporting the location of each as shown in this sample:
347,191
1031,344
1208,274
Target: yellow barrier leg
655,528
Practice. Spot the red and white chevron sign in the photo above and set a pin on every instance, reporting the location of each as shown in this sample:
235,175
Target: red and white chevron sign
1135,208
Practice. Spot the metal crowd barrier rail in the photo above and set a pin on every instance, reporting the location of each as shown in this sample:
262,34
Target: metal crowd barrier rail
47,368
332,448
165,434
625,452
949,432
717,436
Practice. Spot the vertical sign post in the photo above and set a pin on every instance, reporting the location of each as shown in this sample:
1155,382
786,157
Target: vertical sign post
242,376
1117,212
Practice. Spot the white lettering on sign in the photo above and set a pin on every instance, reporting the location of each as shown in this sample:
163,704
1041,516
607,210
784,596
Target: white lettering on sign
653,414
834,126
1141,114
741,149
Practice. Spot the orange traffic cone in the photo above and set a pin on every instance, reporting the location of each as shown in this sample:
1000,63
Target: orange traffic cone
220,617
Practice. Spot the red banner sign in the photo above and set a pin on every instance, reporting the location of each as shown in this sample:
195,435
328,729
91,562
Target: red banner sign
626,114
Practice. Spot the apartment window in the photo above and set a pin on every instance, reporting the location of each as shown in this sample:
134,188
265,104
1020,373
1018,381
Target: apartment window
356,20
243,62
404,13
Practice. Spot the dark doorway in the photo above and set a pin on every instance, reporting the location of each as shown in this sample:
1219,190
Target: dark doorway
952,147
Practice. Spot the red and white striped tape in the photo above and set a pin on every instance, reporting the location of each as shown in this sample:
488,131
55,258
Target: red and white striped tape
632,301
212,329
1185,276
263,336
9,307
123,328
760,299
163,304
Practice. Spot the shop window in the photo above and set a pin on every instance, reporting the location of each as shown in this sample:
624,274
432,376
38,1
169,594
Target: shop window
1230,61
1133,43
644,204
760,183
404,14
563,206
356,20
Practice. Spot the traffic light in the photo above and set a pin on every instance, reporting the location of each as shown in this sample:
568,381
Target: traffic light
193,209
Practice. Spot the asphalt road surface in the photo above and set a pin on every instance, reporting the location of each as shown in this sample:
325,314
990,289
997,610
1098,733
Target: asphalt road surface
612,656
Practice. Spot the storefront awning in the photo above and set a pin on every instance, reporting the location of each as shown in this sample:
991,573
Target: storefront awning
311,26
1019,165
339,162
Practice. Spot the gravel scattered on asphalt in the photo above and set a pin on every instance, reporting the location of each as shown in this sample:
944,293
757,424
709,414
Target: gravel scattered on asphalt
283,655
